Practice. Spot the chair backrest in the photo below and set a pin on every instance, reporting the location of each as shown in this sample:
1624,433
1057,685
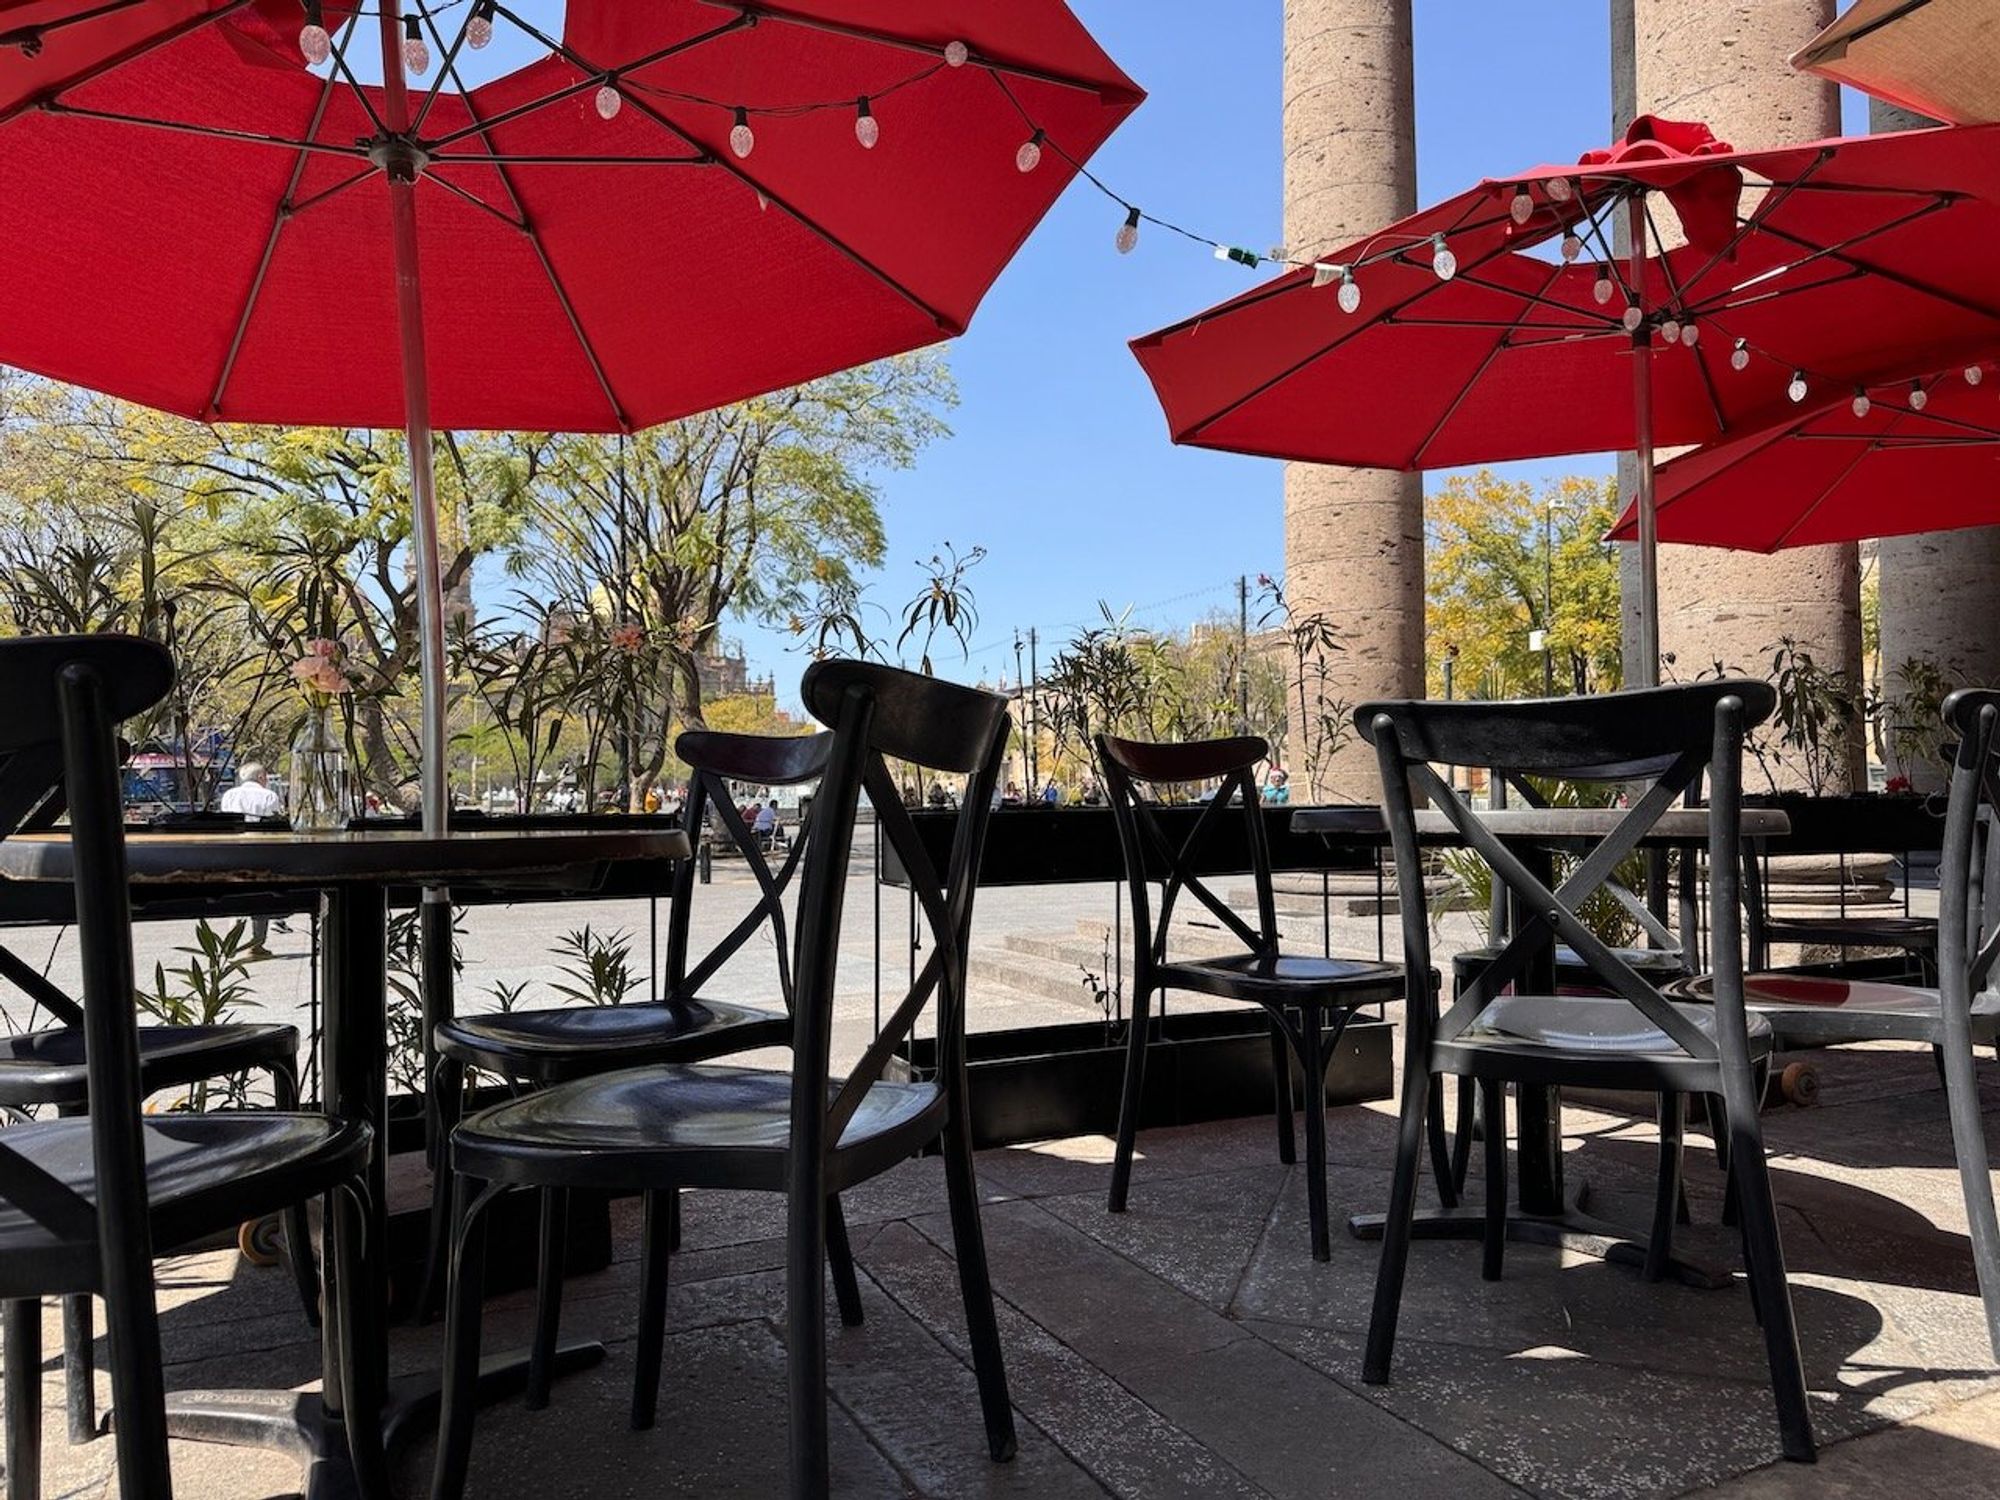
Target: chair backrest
714,759
1969,863
879,714
64,695
1664,739
1152,856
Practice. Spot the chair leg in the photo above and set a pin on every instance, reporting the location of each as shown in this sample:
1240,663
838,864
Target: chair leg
548,1297
1764,1252
1461,1140
1441,1147
805,1346
655,1259
1968,1139
80,1368
448,1096
1128,1104
1396,1226
298,1224
1668,1200
21,1348
1312,1063
1493,1238
840,1262
968,1237
1281,1080
466,1289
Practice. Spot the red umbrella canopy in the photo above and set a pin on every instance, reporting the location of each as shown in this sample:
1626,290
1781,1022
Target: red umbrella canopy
1893,458
197,220
1815,261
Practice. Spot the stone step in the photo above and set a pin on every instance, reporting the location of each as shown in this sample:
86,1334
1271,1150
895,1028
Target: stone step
1031,974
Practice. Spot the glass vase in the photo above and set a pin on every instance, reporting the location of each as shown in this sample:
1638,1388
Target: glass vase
318,792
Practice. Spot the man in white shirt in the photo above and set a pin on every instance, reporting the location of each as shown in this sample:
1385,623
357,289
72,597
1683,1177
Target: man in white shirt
252,796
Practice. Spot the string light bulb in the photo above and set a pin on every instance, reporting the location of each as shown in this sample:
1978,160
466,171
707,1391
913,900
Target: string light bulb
742,139
1029,156
956,54
1443,262
1522,207
1572,247
1797,389
609,101
1559,189
1690,334
1919,397
1127,238
1974,374
867,131
1600,291
1739,357
479,30
1860,404
416,55
314,43
1631,318
1670,329
1349,295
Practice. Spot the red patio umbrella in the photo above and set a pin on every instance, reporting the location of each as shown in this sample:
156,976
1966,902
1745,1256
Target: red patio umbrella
1887,459
679,204
1455,336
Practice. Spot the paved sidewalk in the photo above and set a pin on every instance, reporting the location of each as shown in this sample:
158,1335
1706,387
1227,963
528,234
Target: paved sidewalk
1192,1348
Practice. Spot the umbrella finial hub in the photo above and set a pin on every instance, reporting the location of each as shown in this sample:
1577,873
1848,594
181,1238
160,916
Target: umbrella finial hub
402,157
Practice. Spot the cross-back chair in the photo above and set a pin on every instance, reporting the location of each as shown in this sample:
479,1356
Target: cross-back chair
85,1199
807,1134
1309,999
1663,740
1962,1011
537,1048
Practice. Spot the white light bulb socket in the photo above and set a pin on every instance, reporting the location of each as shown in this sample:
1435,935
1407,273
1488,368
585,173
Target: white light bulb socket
1029,156
956,54
742,139
1127,238
1522,207
1797,389
867,130
1349,295
609,101
1919,397
1443,262
416,54
479,30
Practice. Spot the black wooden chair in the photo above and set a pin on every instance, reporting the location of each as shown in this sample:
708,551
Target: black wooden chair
44,1069
537,1048
656,1130
84,1200
1637,1039
1310,999
1961,1013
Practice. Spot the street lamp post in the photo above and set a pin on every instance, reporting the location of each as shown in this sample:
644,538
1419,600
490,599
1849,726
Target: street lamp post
1549,508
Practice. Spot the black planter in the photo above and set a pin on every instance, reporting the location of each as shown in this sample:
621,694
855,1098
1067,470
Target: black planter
1042,1082
1855,823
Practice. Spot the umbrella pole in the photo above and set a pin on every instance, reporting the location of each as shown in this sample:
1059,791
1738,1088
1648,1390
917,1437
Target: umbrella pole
1647,673
402,168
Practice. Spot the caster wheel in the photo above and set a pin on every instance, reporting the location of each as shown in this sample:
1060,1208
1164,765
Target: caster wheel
261,1241
1800,1083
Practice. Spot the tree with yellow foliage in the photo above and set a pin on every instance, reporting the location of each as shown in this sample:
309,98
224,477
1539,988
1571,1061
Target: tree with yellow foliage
1503,560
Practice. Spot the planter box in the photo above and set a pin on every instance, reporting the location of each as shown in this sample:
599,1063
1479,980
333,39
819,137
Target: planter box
1857,823
1043,1082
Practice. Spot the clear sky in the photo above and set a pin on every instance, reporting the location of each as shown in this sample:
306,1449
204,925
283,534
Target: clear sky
1060,465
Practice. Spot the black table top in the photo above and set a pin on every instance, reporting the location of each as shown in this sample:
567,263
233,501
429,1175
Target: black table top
371,857
1684,827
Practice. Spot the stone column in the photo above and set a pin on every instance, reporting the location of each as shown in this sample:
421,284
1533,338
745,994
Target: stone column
1354,538
1725,64
1935,598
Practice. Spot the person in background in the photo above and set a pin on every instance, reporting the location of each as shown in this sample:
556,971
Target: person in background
938,796
253,798
1052,794
1277,790
766,824
1011,796
652,802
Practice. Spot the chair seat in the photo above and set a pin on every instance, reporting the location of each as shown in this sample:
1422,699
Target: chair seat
204,1173
46,1067
694,1126
1919,934
573,1041
1657,964
1603,1041
1287,980
1811,1010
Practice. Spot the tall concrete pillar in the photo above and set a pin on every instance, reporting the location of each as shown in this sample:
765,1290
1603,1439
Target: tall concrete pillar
1935,600
1354,538
1724,63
